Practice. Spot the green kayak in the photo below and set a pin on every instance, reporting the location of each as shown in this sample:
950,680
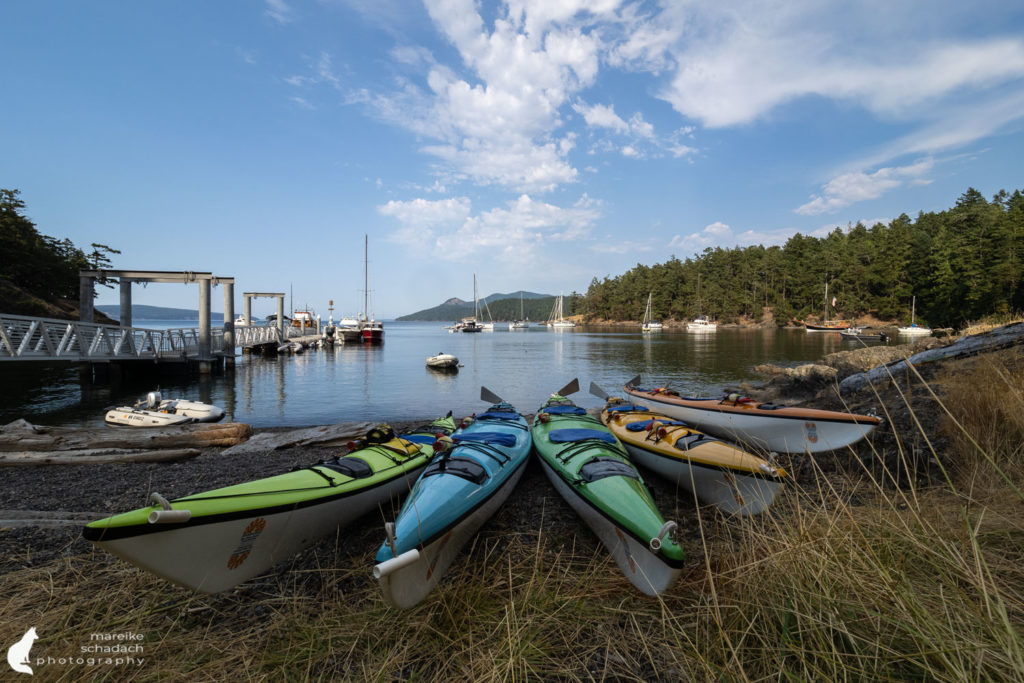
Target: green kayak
590,469
215,540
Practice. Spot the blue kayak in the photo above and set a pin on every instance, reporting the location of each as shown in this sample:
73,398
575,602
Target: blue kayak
457,492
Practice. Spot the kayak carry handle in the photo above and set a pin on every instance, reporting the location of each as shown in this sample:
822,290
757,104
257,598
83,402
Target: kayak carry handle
395,563
667,529
166,515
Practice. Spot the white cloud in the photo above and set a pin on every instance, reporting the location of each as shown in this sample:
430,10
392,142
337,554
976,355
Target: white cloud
279,11
448,229
858,186
738,61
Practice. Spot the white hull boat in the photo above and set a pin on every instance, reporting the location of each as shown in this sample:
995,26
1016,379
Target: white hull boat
155,411
442,361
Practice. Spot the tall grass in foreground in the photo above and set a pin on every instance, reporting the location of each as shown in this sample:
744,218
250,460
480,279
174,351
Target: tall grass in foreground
846,578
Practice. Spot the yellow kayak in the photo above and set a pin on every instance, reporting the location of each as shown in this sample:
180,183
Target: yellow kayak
713,470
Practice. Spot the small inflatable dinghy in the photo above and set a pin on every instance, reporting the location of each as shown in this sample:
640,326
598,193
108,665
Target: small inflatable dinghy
155,411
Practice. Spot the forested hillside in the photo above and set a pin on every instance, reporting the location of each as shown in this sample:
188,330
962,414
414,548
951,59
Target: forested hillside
39,273
962,264
536,309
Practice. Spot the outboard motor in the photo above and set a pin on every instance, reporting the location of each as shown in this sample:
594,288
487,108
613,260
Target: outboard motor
153,400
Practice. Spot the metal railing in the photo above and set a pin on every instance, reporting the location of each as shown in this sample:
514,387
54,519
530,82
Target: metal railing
28,338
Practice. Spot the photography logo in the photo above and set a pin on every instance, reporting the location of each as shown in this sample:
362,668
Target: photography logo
17,654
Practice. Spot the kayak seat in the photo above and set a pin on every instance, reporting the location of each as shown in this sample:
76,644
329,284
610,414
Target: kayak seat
497,415
467,468
603,467
642,426
564,410
685,443
626,407
420,438
579,434
497,438
357,468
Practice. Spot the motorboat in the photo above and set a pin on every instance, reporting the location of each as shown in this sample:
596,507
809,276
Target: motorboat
702,323
443,361
860,334
155,411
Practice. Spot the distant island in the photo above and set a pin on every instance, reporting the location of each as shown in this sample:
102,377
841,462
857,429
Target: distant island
143,312
502,307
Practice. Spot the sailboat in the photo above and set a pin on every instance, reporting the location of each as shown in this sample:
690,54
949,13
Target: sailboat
371,330
914,330
701,323
557,319
649,324
827,325
471,324
523,322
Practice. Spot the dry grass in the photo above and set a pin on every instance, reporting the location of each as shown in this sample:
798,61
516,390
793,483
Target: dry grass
845,579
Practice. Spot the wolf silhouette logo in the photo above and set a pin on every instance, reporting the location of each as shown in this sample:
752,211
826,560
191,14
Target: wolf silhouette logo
17,654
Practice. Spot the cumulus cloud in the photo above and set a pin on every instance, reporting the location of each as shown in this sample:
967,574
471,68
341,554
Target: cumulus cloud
858,186
448,229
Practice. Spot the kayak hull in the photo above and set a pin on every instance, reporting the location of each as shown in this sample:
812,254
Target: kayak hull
449,503
214,540
590,469
714,471
761,425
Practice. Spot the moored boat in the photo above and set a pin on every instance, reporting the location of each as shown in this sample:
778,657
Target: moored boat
716,472
649,324
215,540
455,495
443,361
914,330
859,333
591,470
156,411
702,323
753,424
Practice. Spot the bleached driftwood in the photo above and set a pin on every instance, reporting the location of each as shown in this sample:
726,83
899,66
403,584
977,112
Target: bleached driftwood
22,436
94,456
1000,338
326,435
47,518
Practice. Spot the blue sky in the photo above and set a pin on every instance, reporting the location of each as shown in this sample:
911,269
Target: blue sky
538,143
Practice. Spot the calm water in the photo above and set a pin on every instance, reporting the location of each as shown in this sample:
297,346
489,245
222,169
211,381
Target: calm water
391,381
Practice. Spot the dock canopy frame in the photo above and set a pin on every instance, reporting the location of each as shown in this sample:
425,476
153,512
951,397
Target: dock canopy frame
87,292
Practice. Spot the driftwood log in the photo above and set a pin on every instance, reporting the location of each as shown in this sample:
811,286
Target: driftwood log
20,436
1000,338
327,435
95,456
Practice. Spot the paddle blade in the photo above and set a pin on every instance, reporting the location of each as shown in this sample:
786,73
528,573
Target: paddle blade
570,388
489,396
635,382
599,392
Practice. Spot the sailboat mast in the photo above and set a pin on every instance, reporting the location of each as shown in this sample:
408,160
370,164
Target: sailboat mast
366,276
476,305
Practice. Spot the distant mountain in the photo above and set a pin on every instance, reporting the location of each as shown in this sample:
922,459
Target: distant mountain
503,307
143,312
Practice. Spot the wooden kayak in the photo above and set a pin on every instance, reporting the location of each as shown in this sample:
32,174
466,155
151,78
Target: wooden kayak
215,540
459,490
754,424
591,470
716,472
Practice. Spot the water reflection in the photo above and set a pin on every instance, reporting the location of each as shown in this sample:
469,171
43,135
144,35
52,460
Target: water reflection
390,381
